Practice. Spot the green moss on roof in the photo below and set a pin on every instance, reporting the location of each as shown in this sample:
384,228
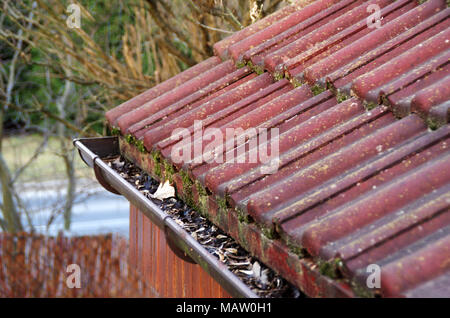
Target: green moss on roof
317,89
115,131
156,155
341,97
330,268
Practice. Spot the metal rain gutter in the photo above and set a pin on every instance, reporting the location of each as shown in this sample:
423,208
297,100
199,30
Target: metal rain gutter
93,151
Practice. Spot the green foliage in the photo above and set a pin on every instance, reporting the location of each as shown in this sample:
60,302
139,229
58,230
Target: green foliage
240,64
317,89
360,290
341,97
169,170
370,105
140,146
115,131
432,124
39,84
269,232
279,76
297,250
222,203
187,188
130,139
330,268
156,155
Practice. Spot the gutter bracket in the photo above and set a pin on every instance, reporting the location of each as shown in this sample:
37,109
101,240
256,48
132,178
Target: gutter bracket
101,179
170,239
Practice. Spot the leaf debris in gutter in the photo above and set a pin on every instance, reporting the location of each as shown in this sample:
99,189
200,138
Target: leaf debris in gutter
261,279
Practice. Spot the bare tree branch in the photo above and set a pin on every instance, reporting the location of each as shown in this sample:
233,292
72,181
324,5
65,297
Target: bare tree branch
39,150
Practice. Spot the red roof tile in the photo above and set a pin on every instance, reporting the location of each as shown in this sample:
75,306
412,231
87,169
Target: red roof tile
160,89
221,48
353,184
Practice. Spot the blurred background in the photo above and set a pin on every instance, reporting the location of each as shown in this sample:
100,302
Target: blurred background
62,65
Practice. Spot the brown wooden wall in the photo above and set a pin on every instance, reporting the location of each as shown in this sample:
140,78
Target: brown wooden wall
165,273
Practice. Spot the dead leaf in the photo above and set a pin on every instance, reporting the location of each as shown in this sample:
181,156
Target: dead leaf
264,277
256,270
164,191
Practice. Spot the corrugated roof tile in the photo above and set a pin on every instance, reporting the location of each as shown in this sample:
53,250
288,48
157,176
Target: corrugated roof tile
428,54
373,40
250,85
435,94
160,89
237,49
338,28
164,100
221,48
257,54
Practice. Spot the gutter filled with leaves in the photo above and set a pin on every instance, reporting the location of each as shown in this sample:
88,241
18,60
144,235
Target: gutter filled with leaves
226,261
